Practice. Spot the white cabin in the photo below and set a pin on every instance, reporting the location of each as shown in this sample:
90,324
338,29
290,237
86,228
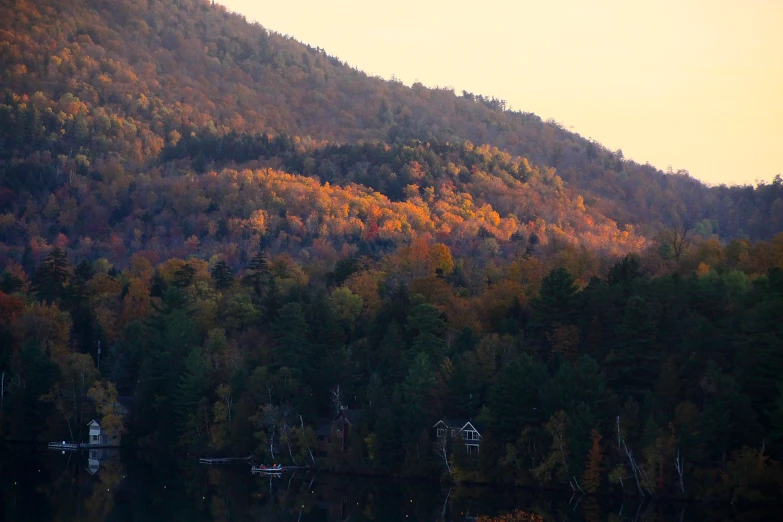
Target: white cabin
462,428
98,438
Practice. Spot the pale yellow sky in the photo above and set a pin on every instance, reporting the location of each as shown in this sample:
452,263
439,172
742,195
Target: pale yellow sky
695,84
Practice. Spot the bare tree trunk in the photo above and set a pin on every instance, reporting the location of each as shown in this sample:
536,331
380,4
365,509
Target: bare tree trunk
304,436
289,452
443,453
445,503
678,465
635,470
337,399
650,489
284,429
70,430
560,437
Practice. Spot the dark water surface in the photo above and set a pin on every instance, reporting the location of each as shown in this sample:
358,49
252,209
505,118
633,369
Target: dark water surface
38,485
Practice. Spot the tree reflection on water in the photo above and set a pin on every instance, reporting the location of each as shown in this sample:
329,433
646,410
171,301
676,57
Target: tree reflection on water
105,486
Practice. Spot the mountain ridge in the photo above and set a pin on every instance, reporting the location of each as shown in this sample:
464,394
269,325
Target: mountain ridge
196,68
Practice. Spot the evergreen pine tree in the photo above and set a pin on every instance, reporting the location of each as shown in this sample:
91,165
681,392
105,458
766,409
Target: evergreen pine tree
51,276
193,386
292,344
633,364
556,303
257,274
427,324
223,275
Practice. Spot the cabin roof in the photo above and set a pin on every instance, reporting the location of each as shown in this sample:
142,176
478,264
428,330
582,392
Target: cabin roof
459,424
351,417
94,422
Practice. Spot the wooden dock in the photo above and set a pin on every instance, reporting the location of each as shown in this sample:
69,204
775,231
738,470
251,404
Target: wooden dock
213,461
71,446
221,460
273,471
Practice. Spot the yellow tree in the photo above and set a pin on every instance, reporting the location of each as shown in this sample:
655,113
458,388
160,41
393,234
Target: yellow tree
136,303
104,393
440,259
591,479
365,284
77,374
47,325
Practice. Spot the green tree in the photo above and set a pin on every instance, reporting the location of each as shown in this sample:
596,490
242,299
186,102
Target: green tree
515,398
555,466
257,274
293,348
191,402
426,324
633,364
555,305
223,275
420,389
170,337
51,277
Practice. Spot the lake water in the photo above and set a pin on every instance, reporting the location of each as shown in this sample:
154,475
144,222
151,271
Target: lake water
38,485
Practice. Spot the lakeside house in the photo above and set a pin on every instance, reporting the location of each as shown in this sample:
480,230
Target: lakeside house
99,438
334,435
449,429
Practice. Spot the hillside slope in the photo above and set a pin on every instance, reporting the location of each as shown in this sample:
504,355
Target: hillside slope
123,79
110,149
246,235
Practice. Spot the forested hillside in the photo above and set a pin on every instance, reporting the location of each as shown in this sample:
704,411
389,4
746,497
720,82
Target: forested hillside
256,234
97,82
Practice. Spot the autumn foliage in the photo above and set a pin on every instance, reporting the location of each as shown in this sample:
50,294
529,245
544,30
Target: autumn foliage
256,234
591,480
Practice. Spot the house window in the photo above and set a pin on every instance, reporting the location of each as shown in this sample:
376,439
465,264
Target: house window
94,438
441,432
453,432
472,449
470,435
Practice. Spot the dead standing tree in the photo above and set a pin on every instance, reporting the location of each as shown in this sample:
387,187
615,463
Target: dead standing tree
337,402
638,472
304,438
678,465
441,447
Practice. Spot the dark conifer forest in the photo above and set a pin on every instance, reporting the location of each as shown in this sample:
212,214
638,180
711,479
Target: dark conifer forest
239,238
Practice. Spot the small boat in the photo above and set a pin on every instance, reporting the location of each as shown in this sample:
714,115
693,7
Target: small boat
276,468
